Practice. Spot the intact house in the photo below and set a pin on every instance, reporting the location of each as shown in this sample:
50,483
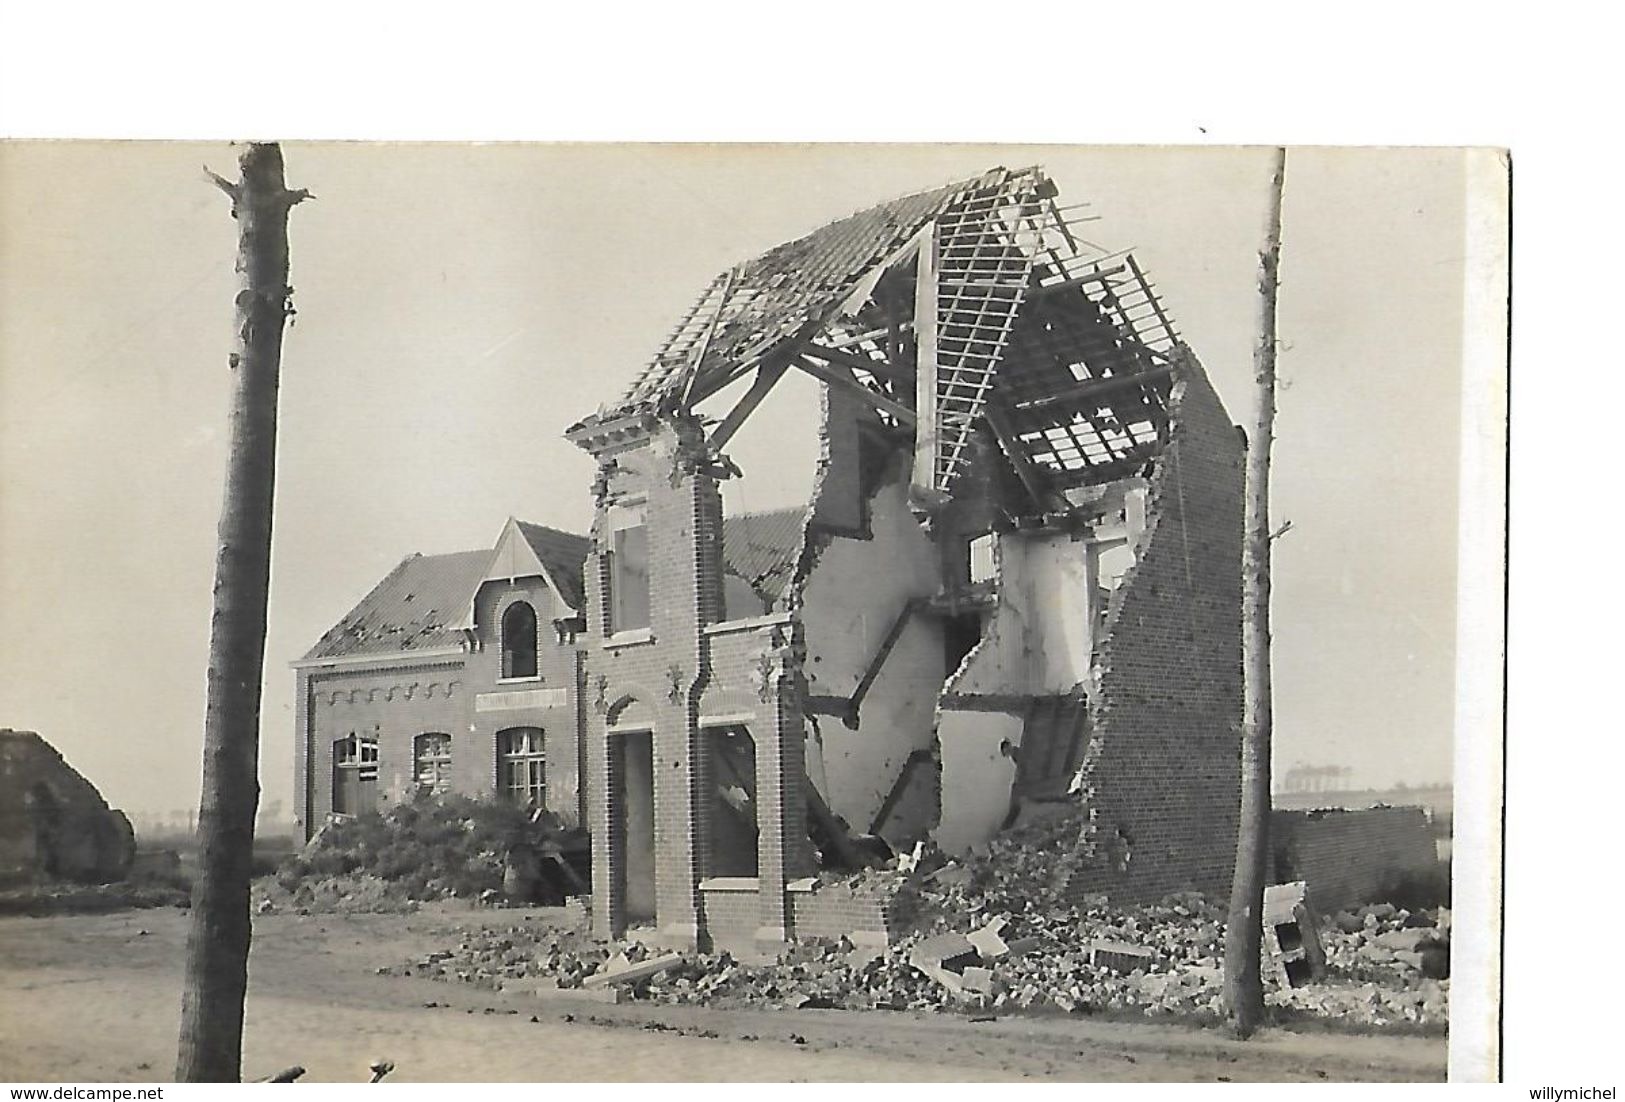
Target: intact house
1015,583
457,673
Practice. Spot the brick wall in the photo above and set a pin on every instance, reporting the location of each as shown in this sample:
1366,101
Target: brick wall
686,671
395,699
1348,857
866,916
392,703
1165,708
730,915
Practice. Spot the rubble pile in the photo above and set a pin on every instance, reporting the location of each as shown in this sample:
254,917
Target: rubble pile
442,848
995,932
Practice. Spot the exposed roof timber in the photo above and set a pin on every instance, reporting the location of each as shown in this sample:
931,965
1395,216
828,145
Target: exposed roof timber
969,302
1031,477
766,376
858,338
881,368
842,377
1095,389
698,356
1150,295
1100,275
1105,472
925,360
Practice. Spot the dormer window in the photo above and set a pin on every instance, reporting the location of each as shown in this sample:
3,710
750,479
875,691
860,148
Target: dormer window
519,641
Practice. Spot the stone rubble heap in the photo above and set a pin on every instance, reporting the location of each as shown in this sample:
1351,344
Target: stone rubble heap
993,933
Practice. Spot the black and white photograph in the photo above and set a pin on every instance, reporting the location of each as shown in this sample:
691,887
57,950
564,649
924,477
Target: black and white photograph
530,612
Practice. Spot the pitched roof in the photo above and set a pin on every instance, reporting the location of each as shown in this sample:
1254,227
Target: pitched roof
756,305
1059,346
413,608
421,603
761,548
563,554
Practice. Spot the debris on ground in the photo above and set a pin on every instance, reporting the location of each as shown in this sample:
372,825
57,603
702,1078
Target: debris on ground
983,939
447,847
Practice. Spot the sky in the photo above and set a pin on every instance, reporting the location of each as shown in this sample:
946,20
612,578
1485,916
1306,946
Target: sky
460,305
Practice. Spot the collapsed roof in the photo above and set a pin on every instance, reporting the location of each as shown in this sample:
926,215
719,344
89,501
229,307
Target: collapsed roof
968,305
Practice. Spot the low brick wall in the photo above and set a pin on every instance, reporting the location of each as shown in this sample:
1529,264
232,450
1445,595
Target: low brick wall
865,915
730,913
1348,856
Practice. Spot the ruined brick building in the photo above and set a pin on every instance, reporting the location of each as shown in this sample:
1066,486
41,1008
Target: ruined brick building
54,825
1016,581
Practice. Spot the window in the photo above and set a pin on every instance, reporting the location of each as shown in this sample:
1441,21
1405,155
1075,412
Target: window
519,641
431,764
628,570
982,567
521,768
355,774
731,826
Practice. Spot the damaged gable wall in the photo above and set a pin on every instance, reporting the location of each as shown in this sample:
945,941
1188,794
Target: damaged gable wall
865,635
1165,710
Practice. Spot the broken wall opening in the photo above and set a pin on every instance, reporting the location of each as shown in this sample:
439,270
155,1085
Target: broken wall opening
875,650
632,822
731,827
776,450
628,569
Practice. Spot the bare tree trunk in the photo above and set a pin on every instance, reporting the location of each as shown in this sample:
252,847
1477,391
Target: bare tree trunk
1243,976
217,947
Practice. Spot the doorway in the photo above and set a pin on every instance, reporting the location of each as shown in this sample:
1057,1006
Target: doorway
634,824
355,775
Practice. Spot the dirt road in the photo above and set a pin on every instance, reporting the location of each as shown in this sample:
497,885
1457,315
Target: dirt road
97,998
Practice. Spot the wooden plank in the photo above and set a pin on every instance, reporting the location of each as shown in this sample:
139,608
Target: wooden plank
1093,388
766,376
1149,293
1013,450
925,366
633,972
881,368
842,378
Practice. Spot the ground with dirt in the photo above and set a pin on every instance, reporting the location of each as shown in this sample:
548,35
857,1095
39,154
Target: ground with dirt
97,997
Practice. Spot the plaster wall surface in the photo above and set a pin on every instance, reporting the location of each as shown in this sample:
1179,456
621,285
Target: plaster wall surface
978,769
852,601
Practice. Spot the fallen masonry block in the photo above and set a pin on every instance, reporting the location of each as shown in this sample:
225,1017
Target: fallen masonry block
622,971
987,942
978,981
1024,945
952,952
945,958
950,875
1405,940
1291,939
1119,956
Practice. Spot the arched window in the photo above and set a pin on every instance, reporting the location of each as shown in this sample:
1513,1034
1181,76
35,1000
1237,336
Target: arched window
431,764
521,768
519,641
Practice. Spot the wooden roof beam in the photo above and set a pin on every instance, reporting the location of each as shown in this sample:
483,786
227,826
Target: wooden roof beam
841,377
1096,388
884,369
766,376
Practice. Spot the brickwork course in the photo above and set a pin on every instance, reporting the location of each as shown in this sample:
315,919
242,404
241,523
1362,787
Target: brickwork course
1350,857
